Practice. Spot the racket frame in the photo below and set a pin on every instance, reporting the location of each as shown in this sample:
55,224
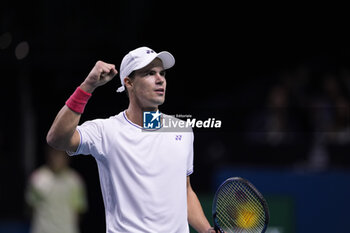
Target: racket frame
246,182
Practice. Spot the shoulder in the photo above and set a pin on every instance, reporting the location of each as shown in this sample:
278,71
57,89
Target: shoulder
103,122
41,177
39,172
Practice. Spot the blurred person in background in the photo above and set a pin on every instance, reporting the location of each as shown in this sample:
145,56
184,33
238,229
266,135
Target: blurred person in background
274,124
56,194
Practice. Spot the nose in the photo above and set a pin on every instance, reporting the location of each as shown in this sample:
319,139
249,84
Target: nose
160,79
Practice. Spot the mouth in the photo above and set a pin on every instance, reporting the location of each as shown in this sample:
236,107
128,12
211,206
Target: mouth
160,91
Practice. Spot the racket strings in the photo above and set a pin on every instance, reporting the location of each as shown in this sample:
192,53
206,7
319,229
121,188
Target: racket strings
225,205
230,224
246,215
246,209
239,209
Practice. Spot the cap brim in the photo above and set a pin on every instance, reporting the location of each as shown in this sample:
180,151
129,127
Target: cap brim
166,57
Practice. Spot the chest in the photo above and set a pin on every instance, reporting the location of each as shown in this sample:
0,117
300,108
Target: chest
150,153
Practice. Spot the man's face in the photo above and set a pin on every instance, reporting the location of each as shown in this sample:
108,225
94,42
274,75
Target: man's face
149,84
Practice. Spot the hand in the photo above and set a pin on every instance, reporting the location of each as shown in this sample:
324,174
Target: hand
211,230
98,76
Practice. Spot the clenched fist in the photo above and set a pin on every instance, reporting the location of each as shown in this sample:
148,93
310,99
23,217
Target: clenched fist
99,75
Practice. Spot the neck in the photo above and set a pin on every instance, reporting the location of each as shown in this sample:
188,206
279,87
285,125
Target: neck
134,113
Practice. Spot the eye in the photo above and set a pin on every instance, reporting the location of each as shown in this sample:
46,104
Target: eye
151,73
162,73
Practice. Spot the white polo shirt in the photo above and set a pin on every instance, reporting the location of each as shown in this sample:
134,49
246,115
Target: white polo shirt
143,175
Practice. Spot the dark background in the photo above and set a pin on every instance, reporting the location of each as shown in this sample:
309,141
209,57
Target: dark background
251,66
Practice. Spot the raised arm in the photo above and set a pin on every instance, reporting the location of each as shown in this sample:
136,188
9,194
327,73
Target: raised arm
63,134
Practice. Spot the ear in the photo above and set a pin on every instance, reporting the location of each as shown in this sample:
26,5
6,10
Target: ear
128,82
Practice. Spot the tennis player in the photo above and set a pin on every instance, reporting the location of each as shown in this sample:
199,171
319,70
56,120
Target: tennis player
144,176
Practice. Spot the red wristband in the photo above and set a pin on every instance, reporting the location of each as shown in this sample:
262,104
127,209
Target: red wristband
78,100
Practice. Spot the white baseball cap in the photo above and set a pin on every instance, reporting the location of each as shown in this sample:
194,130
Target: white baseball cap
141,57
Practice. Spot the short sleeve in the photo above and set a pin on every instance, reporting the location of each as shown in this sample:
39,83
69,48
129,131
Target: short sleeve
190,156
90,138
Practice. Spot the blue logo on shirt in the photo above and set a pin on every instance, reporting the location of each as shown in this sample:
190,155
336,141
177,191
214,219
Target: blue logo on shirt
151,120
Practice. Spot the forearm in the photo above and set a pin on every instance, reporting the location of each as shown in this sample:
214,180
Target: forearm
196,217
61,133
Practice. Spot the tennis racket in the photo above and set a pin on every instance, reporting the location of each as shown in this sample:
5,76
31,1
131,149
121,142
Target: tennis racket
239,207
